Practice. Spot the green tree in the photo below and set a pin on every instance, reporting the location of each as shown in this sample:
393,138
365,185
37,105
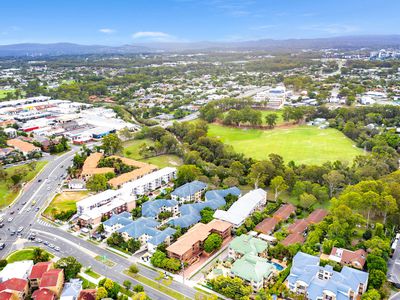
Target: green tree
187,173
111,144
307,200
376,279
278,185
371,294
271,119
40,255
133,268
70,266
127,284
212,242
101,293
207,215
138,288
97,183
334,179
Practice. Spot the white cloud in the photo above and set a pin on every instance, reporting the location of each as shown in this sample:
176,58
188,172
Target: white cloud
107,30
153,36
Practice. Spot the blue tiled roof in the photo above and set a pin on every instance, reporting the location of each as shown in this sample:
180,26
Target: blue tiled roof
123,218
141,226
305,268
221,194
161,236
152,208
189,189
190,213
185,221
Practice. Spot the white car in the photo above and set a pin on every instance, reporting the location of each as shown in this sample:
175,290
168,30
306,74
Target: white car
10,219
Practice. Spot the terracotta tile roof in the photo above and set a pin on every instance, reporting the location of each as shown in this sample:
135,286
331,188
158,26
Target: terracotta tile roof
348,257
198,233
267,225
90,165
284,212
50,278
14,284
22,146
43,294
87,295
7,296
299,226
317,216
293,238
38,269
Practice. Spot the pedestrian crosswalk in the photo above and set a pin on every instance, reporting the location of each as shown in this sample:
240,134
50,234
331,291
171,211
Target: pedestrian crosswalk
44,223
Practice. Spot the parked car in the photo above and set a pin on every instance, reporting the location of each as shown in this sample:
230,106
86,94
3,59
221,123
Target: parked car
2,245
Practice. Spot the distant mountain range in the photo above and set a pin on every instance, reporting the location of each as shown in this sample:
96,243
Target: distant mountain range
345,43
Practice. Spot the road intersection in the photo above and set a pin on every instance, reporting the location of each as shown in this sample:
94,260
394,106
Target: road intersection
26,213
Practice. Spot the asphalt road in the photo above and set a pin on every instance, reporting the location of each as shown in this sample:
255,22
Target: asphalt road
24,211
39,192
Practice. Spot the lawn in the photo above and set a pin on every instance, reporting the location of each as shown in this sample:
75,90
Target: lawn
157,286
7,194
302,144
92,274
65,201
3,93
24,254
131,150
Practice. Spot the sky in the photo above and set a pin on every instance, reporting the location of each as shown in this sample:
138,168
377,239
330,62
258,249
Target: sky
117,22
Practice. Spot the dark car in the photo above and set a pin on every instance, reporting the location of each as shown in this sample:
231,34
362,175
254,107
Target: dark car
12,232
2,245
11,212
40,180
1,225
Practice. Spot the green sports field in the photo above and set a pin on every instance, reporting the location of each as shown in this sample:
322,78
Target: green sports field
302,144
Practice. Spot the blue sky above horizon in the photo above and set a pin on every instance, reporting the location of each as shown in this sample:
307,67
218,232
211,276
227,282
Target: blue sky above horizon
139,21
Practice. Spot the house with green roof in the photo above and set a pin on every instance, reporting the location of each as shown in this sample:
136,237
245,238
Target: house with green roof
246,244
254,270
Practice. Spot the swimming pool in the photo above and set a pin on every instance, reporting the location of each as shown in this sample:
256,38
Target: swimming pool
277,266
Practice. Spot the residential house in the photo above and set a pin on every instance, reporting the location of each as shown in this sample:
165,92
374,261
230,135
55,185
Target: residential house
37,272
43,294
145,231
71,290
254,270
89,294
151,209
307,277
244,244
26,148
354,259
10,132
190,213
268,225
189,247
298,229
189,192
18,269
52,280
117,222
243,207
16,286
